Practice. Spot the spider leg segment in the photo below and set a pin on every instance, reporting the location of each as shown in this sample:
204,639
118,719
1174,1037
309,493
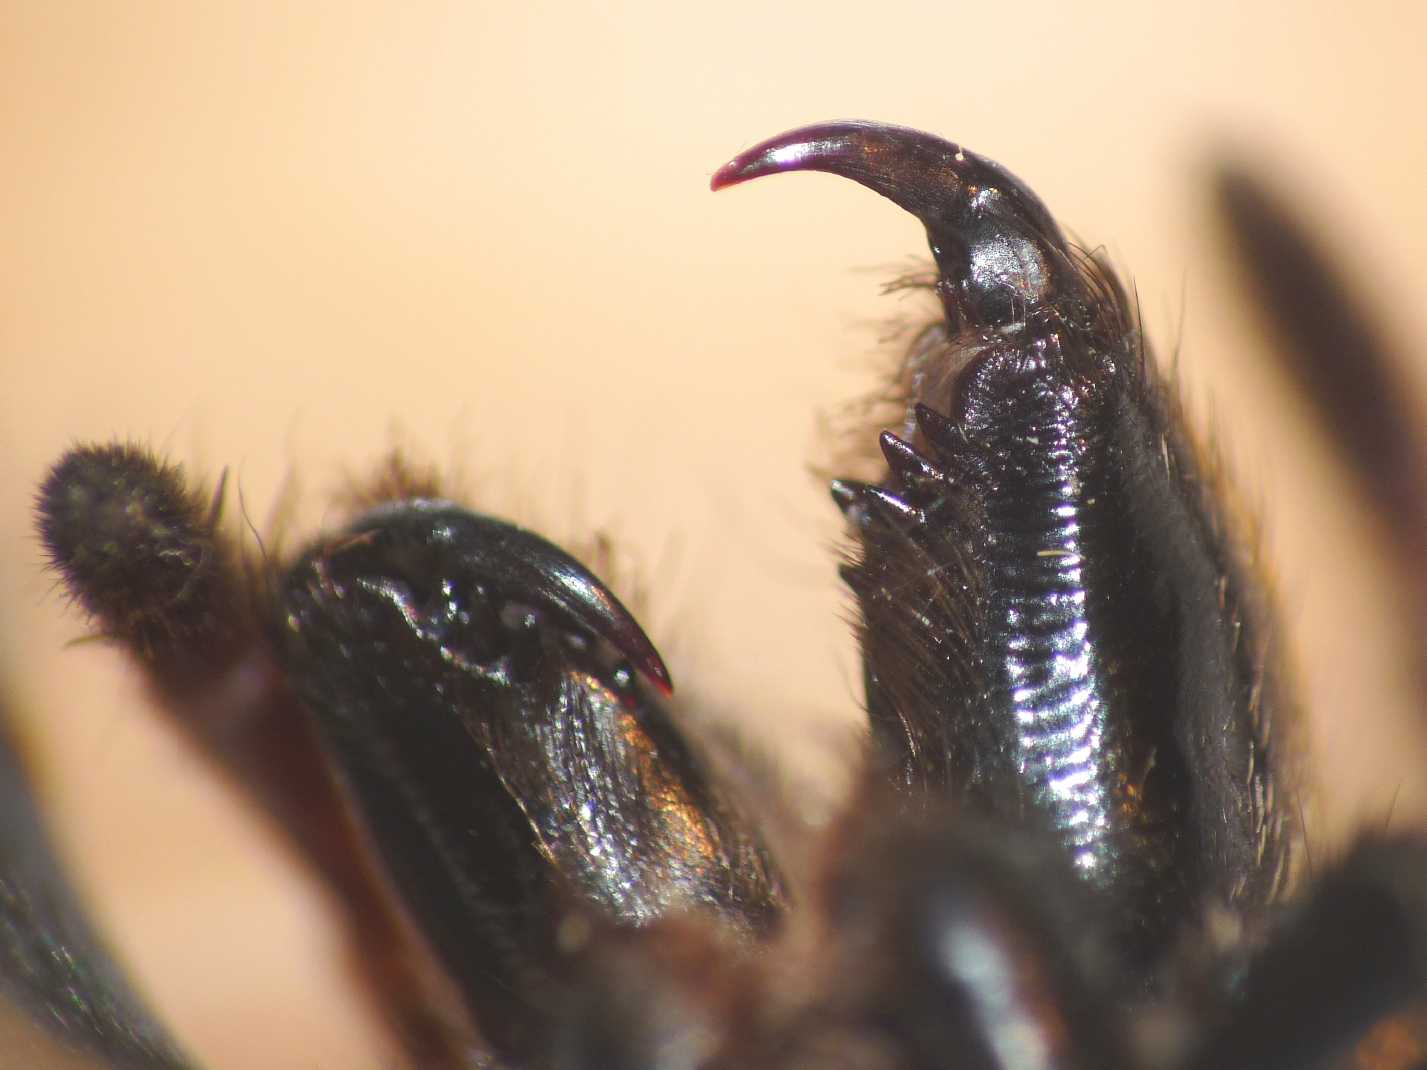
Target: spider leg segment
61,995
1342,978
1337,357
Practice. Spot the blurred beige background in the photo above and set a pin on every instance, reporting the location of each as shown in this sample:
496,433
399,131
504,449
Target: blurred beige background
284,237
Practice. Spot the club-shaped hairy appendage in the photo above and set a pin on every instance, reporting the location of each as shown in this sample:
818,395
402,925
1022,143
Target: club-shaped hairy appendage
999,253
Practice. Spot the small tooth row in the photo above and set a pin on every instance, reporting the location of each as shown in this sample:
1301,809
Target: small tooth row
916,479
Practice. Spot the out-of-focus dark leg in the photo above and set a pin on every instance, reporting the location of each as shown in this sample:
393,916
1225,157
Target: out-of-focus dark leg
942,948
1341,363
63,1000
1342,981
1332,351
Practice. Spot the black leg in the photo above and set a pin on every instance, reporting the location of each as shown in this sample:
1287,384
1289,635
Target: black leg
1342,975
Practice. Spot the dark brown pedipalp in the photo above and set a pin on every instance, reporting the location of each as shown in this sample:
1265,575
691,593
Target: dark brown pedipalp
54,966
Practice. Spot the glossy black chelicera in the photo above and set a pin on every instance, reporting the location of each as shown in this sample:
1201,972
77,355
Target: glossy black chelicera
1054,622
1074,840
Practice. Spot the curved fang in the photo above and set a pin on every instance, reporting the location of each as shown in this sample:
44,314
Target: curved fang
999,251
539,569
526,568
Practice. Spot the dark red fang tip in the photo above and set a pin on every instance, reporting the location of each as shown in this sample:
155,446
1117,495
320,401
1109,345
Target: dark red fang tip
579,592
653,669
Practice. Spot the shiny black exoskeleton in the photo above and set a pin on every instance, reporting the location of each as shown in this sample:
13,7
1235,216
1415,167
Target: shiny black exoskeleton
1071,846
1044,541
